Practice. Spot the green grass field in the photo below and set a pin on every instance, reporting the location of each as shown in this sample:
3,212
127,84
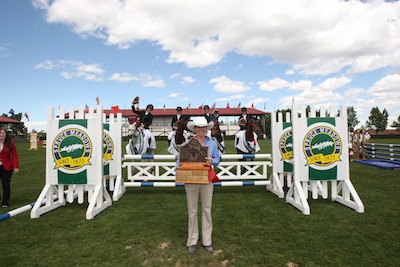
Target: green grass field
252,227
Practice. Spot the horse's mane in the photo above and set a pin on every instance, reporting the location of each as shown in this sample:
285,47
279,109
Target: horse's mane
179,137
216,132
251,127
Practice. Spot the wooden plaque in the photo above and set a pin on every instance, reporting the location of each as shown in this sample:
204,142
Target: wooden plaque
193,167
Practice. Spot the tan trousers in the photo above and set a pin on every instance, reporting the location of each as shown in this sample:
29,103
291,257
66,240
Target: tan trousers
192,195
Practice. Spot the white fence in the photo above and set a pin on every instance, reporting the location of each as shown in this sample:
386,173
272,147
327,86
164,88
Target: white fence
159,171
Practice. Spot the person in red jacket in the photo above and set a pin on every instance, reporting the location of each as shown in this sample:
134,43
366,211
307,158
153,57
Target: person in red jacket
8,163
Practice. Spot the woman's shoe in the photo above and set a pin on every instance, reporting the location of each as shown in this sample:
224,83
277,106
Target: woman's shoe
192,249
209,249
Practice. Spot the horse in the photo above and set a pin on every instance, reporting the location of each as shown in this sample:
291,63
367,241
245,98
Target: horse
178,136
246,141
218,137
141,141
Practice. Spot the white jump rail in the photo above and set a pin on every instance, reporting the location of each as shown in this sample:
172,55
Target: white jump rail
160,172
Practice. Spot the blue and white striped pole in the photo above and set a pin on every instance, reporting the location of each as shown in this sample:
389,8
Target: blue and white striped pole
12,213
173,184
28,207
173,157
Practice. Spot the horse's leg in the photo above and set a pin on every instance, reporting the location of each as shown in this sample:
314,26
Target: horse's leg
149,136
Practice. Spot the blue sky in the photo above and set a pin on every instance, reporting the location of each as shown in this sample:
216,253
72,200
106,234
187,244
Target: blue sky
266,53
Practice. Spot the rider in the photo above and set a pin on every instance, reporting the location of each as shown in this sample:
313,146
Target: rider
220,142
244,114
146,119
207,114
215,115
178,116
209,117
145,116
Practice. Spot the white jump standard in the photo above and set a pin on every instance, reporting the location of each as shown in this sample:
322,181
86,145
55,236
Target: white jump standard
74,158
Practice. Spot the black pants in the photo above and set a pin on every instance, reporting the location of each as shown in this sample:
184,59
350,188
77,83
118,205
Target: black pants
5,182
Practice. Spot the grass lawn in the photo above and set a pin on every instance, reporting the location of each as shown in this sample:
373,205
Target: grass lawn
252,227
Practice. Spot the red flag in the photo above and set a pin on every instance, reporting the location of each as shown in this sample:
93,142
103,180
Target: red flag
98,100
114,109
227,105
26,115
201,107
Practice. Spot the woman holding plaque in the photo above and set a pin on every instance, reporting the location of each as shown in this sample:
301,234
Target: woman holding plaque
200,126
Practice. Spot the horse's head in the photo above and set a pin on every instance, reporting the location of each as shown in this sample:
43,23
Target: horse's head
180,126
253,124
242,123
216,131
251,127
134,123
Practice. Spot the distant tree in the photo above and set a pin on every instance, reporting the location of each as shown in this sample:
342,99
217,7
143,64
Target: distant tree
317,112
396,124
352,120
378,120
284,112
268,124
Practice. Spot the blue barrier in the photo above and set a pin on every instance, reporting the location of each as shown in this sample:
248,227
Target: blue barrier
382,151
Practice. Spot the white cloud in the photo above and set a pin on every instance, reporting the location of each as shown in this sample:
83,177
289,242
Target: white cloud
386,92
302,85
149,81
333,83
233,97
255,102
74,69
319,38
184,79
238,96
174,95
225,85
122,77
274,84
290,72
187,80
178,97
319,94
175,75
145,80
49,65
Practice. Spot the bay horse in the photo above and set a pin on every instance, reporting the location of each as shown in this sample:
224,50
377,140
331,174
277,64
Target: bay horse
178,136
246,141
218,137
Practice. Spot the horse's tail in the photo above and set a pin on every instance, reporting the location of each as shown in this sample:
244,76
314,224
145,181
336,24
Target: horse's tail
173,147
130,148
220,145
